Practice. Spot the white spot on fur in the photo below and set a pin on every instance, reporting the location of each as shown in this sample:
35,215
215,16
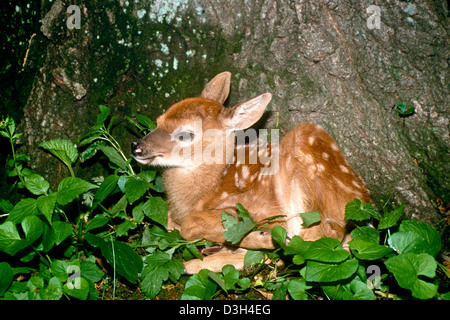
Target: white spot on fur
325,156
311,140
344,169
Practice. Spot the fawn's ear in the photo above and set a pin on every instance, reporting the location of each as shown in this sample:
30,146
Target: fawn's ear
218,88
245,114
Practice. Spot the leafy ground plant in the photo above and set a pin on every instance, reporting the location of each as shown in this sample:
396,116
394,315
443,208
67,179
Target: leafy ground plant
85,237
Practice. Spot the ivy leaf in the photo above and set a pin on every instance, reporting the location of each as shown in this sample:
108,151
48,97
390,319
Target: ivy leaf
297,289
391,218
368,250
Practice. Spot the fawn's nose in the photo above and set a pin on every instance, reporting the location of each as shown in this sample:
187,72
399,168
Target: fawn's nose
136,148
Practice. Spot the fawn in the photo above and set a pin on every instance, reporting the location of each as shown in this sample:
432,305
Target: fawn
311,174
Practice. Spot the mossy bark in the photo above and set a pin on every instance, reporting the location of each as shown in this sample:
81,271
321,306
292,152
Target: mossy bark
321,60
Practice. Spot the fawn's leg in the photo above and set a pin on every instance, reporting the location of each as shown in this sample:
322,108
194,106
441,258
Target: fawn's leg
208,224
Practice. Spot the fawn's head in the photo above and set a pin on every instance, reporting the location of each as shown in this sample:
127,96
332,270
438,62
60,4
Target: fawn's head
198,130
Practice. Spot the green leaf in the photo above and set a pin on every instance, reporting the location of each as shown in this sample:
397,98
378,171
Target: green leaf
32,227
145,121
326,250
327,272
36,184
431,241
417,237
46,205
53,291
121,256
156,209
391,218
237,228
103,114
409,270
69,188
253,257
359,211
279,235
62,230
79,289
97,222
368,250
297,289
10,241
349,290
64,150
6,277
113,156
91,150
366,233
310,218
199,287
90,271
105,189
135,188
26,207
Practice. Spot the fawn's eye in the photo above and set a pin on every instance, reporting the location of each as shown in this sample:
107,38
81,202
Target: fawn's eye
183,136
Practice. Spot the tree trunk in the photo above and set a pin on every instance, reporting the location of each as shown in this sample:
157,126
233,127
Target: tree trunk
343,64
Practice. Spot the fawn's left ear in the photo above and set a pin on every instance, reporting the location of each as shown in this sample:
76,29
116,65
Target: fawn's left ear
245,114
218,88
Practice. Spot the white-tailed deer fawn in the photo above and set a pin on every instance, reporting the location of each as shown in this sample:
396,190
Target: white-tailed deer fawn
311,174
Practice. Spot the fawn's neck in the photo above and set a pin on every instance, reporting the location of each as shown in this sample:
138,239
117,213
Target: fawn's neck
188,190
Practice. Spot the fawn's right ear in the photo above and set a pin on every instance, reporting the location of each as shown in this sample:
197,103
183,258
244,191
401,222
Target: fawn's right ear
218,88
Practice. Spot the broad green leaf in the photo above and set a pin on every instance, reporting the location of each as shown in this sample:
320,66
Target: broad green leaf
6,277
410,270
431,238
113,156
357,210
26,207
36,184
366,233
236,232
64,150
328,272
253,257
53,291
391,218
199,287
90,271
69,188
62,230
297,289
135,188
326,250
368,250
97,222
91,150
32,227
156,209
105,189
145,121
349,290
158,269
310,218
46,205
228,220
417,237
103,114
10,241
79,288
123,258
279,235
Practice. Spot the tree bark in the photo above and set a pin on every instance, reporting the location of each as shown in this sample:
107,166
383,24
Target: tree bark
330,62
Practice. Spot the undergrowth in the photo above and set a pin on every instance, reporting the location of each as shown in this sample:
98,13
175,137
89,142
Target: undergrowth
87,237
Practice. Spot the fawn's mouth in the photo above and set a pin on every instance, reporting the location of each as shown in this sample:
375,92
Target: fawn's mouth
146,160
